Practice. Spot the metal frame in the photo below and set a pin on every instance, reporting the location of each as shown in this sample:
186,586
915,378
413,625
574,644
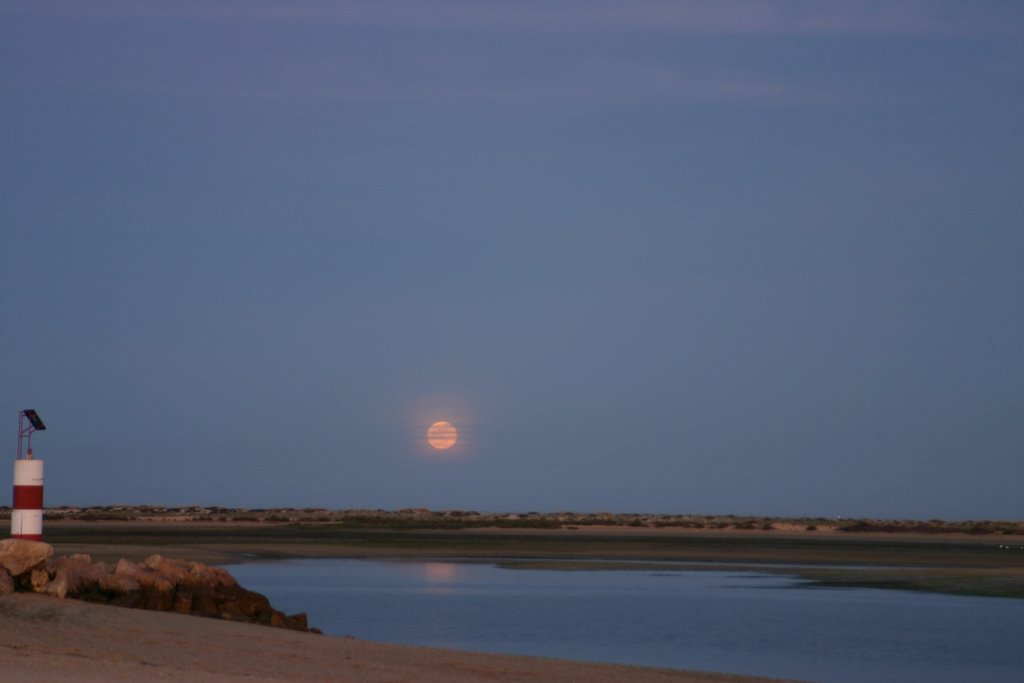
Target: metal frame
25,434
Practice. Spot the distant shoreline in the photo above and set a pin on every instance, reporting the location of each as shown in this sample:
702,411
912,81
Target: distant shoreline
956,563
422,518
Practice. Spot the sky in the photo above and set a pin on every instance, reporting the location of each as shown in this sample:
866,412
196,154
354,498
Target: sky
715,257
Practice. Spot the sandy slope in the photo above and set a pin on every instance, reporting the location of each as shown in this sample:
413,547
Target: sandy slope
45,639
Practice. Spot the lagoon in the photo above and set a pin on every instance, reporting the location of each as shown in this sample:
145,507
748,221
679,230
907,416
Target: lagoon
739,622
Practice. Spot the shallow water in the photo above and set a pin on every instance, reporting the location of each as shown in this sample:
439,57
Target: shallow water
739,622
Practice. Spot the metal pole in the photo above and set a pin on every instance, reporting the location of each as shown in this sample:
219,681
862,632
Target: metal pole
21,420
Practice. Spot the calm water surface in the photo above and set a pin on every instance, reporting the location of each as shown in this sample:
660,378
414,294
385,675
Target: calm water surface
739,622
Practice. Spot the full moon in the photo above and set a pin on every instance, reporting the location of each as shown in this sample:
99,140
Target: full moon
442,435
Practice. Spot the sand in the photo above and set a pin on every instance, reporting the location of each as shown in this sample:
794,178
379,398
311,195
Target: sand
45,639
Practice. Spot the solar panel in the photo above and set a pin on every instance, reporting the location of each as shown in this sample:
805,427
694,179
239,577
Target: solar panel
33,418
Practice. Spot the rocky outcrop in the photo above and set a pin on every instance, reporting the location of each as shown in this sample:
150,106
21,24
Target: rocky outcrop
158,583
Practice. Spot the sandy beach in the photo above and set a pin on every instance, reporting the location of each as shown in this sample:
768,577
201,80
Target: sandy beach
45,639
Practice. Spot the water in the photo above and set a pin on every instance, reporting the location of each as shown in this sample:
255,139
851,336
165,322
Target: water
737,622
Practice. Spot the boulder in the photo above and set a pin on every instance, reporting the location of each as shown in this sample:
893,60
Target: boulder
297,622
77,576
175,570
40,577
204,590
206,604
193,575
18,556
182,603
127,568
157,591
58,587
120,590
117,584
204,574
240,604
81,565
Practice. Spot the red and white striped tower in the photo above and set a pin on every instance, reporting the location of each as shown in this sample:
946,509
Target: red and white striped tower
27,515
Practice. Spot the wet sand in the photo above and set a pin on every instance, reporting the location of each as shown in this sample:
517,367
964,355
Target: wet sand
43,639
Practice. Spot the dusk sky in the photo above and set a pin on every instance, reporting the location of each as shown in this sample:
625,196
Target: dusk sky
734,256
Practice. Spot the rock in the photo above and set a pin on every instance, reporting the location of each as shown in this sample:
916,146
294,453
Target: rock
116,584
82,565
77,576
182,601
157,590
219,577
207,591
175,570
49,567
40,577
157,584
297,622
205,604
58,586
194,575
245,605
18,556
127,568
121,591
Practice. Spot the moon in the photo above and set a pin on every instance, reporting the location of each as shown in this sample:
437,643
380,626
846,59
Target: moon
442,435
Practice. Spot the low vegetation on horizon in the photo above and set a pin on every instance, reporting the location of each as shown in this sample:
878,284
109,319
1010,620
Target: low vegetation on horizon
420,518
